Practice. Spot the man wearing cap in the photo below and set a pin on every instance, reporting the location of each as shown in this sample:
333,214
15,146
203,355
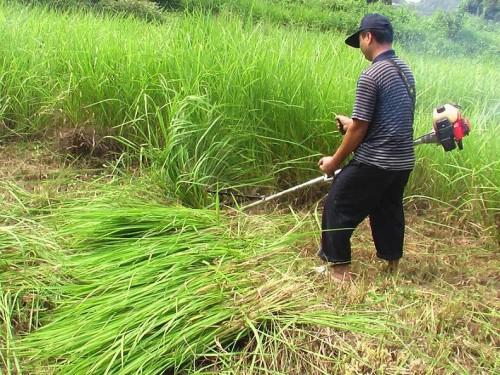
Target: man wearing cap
380,134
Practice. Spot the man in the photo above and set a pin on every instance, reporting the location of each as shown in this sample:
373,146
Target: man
380,133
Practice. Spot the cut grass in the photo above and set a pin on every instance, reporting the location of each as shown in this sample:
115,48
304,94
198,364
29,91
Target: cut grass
441,306
157,287
29,269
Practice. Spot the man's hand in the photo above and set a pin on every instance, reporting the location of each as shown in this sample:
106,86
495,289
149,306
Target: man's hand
343,123
328,165
356,132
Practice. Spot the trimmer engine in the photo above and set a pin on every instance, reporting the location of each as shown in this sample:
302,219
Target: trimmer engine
449,128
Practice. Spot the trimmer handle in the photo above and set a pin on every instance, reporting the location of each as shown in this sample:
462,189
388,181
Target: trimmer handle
330,178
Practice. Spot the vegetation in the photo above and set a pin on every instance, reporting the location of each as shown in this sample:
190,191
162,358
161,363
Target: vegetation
489,9
176,282
141,9
124,251
261,115
118,269
453,33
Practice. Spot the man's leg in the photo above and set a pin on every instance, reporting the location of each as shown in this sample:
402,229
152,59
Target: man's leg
388,223
354,193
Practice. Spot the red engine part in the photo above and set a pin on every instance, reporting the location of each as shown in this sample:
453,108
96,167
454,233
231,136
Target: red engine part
461,128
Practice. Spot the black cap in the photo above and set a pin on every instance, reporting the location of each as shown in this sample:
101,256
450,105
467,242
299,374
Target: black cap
372,21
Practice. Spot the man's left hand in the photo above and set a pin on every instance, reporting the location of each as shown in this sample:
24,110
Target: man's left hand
328,165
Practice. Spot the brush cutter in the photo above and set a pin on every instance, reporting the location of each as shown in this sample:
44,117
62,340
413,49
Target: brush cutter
449,128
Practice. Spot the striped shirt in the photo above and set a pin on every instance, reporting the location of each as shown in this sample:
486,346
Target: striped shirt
382,99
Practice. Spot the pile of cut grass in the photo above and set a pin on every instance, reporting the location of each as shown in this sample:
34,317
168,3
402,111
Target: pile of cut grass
156,287
29,269
268,313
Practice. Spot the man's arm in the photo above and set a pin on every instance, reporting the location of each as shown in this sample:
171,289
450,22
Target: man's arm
354,136
364,107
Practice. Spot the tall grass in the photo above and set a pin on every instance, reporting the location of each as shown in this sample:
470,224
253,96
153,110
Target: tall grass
210,102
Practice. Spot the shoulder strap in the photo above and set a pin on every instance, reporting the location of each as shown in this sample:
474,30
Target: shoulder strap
409,87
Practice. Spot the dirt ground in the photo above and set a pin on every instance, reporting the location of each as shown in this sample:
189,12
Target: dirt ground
42,169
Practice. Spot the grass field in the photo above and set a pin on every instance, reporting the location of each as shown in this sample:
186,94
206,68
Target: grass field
113,133
262,109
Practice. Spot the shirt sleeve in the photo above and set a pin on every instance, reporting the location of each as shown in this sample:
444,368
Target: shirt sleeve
366,98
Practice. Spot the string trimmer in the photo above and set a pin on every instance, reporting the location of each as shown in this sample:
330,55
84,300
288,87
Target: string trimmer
449,128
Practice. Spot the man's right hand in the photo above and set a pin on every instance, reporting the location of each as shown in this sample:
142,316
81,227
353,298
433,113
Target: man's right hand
328,165
343,123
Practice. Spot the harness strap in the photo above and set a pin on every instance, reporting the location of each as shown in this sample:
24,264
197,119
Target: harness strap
409,87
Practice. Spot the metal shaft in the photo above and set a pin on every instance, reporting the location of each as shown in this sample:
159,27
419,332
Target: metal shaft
314,181
426,139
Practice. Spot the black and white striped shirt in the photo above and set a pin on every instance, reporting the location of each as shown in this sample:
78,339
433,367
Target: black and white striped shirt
382,99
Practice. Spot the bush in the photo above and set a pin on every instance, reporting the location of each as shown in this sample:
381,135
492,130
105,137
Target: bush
170,4
142,9
60,4
448,23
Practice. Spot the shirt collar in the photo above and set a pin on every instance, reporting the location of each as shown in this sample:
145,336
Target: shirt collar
384,56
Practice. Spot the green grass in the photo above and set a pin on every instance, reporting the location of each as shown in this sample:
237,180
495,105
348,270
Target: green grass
128,279
455,34
177,93
144,286
260,112
130,282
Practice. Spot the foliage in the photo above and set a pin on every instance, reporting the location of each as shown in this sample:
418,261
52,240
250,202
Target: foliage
60,4
412,30
170,4
450,23
258,115
143,9
488,9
